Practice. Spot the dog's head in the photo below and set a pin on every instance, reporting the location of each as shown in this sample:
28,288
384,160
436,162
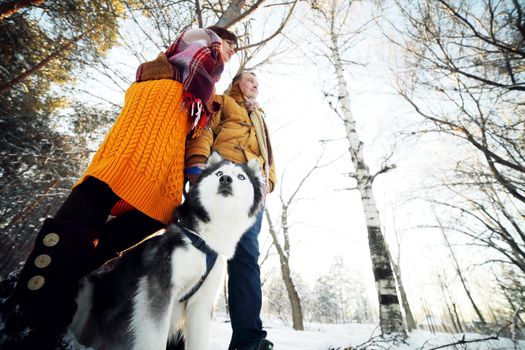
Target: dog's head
224,189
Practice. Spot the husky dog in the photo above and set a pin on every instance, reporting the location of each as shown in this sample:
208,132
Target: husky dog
169,283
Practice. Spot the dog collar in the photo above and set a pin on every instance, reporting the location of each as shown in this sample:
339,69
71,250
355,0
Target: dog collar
211,258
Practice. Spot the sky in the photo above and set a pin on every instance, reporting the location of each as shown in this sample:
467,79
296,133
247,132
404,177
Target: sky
327,220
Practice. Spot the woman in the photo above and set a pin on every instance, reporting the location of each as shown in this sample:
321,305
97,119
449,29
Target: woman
239,133
138,170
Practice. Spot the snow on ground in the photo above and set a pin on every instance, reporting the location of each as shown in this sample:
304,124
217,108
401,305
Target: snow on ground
328,336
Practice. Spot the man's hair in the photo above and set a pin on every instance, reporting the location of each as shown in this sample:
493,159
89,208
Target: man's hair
225,34
239,76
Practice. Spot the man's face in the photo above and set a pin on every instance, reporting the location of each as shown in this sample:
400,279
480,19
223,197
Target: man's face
249,86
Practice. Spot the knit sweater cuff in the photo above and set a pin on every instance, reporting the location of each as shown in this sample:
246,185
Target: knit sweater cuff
196,160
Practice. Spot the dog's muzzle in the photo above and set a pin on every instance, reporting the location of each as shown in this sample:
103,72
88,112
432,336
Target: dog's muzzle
225,185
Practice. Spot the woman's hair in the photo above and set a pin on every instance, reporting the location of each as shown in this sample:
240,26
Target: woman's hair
224,34
239,76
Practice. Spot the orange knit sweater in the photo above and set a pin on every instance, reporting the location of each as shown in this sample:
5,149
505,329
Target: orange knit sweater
142,157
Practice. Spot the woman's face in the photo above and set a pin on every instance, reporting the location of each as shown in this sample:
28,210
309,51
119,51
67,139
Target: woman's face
249,86
228,48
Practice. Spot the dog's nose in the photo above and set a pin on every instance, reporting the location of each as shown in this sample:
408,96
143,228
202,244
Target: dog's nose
225,180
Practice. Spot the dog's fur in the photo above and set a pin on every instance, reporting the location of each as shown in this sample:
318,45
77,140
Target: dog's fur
135,305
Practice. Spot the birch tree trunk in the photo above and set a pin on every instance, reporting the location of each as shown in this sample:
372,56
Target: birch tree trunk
390,318
396,263
410,322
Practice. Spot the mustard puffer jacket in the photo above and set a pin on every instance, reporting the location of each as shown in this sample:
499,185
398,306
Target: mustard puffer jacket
232,134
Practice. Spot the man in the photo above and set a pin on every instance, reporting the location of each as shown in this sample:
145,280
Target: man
238,132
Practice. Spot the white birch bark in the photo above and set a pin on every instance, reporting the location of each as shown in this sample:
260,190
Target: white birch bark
390,317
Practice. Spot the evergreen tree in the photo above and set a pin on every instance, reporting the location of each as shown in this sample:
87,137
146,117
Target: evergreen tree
43,47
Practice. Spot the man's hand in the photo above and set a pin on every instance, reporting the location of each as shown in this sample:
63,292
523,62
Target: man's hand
192,178
193,172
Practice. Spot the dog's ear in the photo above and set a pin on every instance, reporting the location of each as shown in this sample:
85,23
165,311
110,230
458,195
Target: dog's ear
255,166
214,158
254,171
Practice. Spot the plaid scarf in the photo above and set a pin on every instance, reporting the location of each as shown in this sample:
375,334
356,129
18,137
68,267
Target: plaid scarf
194,62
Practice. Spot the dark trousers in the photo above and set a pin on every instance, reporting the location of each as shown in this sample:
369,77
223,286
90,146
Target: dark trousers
244,290
89,204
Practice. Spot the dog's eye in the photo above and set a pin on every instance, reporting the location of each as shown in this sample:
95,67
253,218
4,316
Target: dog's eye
218,173
241,177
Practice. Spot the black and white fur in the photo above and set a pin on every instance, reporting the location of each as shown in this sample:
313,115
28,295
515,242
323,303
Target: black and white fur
135,305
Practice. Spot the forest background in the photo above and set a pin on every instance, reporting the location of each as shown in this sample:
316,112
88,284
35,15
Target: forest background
398,129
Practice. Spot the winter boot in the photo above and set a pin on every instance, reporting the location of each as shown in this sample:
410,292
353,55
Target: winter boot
265,344
177,343
43,303
262,344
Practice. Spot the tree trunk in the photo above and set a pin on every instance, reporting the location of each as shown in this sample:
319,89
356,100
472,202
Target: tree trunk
429,318
198,12
9,8
295,300
225,291
458,320
297,312
455,309
513,307
411,323
455,326
233,13
461,277
452,312
390,317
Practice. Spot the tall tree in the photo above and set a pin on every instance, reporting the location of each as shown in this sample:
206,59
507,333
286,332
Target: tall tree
333,19
44,45
51,39
284,256
42,175
281,241
396,266
466,78
460,274
512,286
450,304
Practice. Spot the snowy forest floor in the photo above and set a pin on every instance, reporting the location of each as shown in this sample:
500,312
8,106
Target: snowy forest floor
319,336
